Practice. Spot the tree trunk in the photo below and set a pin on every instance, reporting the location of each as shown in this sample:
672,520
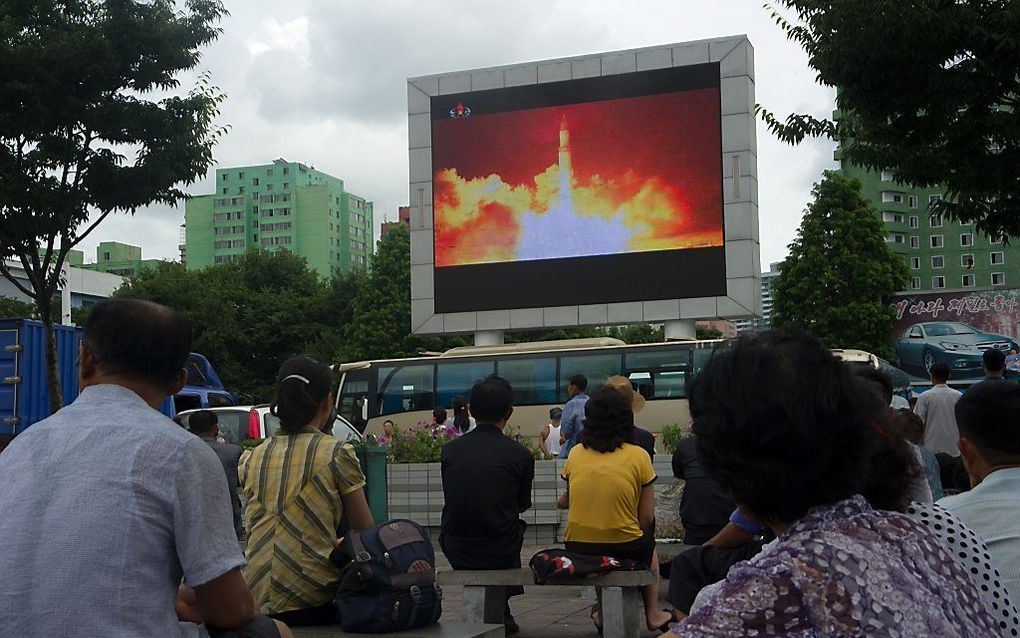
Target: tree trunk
52,369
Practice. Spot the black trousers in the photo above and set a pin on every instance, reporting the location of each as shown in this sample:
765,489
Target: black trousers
486,553
698,567
259,627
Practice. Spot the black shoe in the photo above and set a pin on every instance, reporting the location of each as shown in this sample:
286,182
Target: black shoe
511,626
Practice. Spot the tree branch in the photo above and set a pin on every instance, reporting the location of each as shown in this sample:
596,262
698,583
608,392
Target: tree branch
9,276
88,230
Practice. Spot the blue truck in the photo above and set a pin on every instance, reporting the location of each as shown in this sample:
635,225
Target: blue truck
24,396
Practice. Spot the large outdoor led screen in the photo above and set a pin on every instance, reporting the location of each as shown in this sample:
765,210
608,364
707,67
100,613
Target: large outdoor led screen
584,191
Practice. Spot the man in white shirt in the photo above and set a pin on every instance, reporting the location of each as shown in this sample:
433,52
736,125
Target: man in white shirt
936,409
990,447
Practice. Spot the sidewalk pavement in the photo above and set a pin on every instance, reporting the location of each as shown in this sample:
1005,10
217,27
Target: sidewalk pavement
541,612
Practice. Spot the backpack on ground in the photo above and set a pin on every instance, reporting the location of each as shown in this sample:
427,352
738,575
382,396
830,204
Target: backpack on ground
390,582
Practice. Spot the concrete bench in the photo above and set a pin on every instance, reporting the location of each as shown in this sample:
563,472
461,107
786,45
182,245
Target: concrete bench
668,551
485,595
442,630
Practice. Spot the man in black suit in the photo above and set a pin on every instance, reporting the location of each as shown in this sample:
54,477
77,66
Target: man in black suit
487,479
205,425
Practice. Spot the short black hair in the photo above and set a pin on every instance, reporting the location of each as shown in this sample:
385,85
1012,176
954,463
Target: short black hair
987,415
303,382
879,378
608,420
439,414
784,425
138,339
491,399
203,422
994,360
579,381
940,371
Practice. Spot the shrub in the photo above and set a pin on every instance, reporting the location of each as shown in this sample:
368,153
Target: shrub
250,444
671,436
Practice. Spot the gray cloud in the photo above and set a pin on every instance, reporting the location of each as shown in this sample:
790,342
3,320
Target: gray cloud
323,82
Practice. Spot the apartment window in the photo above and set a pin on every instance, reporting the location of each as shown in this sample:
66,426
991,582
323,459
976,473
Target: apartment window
240,175
286,186
938,261
892,198
254,181
938,282
998,258
995,240
937,241
224,191
887,176
286,170
224,177
912,201
915,283
269,187
915,241
968,281
240,190
934,199
967,239
269,172
915,263
998,278
895,218
898,239
935,221
915,221
967,260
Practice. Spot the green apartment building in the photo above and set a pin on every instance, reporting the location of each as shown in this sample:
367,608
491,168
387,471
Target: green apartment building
941,253
115,258
283,205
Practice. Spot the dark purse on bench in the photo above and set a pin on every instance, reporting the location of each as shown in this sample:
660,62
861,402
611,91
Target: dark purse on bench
559,565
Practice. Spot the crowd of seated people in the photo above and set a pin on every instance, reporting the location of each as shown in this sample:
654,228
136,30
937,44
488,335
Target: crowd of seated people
821,520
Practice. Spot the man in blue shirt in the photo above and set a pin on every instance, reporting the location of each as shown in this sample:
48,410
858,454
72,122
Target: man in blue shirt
573,413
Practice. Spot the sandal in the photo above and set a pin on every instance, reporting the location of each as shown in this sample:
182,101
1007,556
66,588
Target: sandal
664,627
595,610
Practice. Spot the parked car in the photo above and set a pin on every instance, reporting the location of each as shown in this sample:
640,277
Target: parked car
241,422
959,345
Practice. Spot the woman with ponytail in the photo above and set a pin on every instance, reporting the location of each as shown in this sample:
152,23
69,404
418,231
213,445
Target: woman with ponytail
298,484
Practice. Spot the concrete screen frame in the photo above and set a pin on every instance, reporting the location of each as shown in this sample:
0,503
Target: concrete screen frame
735,57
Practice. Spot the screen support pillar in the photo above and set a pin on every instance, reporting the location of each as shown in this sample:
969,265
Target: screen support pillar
680,330
489,338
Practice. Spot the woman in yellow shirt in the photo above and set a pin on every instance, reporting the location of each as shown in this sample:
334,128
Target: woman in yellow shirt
610,495
298,485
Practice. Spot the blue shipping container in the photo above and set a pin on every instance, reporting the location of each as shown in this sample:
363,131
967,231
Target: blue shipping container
24,397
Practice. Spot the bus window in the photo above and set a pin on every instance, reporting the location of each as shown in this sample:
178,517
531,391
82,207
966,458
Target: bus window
355,387
659,374
405,389
597,367
533,380
217,400
458,378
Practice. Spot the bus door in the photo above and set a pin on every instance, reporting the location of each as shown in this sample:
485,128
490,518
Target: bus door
660,373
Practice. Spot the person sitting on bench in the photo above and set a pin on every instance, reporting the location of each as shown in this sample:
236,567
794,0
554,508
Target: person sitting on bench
487,481
611,496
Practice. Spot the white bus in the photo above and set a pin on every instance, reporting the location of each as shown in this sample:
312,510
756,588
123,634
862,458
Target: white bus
407,390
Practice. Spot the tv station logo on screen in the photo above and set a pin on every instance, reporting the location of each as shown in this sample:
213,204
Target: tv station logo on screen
460,111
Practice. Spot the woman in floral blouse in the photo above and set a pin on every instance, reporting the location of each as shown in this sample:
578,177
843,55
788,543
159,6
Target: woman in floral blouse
792,433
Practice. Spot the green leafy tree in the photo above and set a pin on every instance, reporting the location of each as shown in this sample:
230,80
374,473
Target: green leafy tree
707,332
839,270
247,315
379,324
87,128
928,89
13,308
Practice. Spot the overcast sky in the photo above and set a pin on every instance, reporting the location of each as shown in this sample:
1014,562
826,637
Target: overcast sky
324,82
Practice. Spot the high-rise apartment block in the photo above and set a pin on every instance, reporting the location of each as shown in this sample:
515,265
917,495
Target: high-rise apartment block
765,322
283,205
940,253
